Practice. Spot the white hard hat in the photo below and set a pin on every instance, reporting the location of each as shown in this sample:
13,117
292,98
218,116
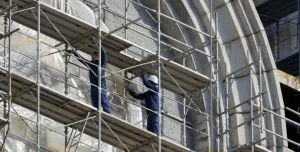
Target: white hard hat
153,79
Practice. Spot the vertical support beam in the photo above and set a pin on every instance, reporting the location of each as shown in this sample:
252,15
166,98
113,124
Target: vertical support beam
38,72
5,41
126,15
125,94
226,109
4,65
125,30
159,77
251,105
66,6
66,57
211,81
260,90
66,71
184,122
184,111
9,72
217,81
99,74
66,139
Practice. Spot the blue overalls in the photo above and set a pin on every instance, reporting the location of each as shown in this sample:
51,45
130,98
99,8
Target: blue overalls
151,102
93,65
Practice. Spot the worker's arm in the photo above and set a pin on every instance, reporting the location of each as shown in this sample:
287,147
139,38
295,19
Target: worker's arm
140,96
147,83
82,60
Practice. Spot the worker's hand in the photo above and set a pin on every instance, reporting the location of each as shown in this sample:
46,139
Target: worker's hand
142,72
130,92
69,51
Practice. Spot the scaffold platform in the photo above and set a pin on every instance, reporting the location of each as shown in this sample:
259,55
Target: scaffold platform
65,110
83,36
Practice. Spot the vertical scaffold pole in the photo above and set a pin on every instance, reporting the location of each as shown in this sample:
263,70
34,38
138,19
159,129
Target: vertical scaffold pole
251,105
66,6
125,32
184,122
9,70
217,81
260,90
66,72
4,65
226,108
211,82
66,139
99,74
38,72
184,111
5,42
66,81
126,16
159,77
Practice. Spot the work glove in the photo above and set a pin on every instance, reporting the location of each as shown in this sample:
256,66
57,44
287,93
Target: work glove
131,92
69,51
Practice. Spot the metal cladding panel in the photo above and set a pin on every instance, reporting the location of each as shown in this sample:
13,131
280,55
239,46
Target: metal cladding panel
53,105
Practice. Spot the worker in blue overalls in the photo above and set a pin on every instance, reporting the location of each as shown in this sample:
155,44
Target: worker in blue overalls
94,78
151,101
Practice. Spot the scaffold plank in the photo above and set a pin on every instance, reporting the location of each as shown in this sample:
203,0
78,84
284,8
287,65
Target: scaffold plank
52,100
82,35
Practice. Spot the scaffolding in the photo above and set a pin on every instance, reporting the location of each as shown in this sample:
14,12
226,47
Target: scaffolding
81,118
282,28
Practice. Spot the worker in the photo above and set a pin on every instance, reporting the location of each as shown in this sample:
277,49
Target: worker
94,78
151,101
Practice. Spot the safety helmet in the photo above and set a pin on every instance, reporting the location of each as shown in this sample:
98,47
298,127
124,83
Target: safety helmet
153,79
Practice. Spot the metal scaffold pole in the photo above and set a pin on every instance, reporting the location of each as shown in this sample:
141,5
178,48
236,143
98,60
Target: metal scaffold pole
260,90
217,82
227,109
9,71
66,139
66,56
159,76
38,73
126,51
66,72
211,81
99,74
184,122
251,105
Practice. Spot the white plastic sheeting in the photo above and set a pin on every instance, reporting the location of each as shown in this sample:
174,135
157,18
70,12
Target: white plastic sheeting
24,42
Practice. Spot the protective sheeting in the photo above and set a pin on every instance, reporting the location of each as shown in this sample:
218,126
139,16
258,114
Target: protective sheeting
52,69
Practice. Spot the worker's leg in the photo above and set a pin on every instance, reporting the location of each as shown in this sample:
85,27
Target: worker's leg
94,97
152,122
104,100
